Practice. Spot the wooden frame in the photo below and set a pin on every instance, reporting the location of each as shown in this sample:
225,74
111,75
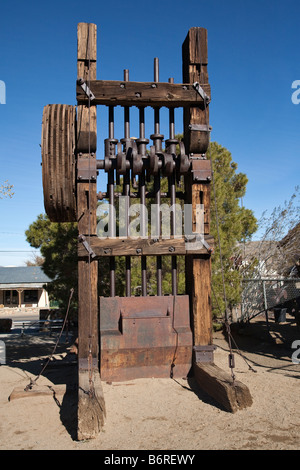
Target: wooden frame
197,170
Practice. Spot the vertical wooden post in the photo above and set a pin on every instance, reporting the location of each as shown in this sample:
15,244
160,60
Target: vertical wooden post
20,297
231,394
91,408
198,267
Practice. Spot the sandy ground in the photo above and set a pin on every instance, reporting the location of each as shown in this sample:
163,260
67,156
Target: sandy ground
159,414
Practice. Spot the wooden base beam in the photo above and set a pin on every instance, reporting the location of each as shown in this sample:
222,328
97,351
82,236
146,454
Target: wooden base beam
232,396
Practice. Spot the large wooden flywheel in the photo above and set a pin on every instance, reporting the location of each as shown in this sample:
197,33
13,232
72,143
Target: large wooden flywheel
58,162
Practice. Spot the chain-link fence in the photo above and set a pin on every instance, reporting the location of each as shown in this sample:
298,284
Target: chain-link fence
263,295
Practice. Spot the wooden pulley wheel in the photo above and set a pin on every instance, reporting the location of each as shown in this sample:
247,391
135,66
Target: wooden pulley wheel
58,162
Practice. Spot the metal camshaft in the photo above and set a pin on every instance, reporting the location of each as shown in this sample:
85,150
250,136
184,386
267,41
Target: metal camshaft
155,161
59,160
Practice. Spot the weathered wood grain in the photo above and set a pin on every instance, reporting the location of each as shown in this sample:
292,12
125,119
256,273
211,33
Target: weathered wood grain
198,268
143,247
91,407
232,396
110,92
58,162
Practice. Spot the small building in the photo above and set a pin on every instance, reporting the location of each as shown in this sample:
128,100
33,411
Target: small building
23,286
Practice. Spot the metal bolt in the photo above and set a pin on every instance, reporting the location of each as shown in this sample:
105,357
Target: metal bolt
138,251
138,95
171,249
184,87
153,85
122,85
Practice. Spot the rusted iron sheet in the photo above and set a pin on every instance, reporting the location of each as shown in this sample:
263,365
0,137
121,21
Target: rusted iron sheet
145,337
201,170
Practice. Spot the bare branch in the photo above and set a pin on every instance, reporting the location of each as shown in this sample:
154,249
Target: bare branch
6,190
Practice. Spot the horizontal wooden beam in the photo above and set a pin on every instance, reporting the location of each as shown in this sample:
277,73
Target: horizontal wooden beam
110,92
143,247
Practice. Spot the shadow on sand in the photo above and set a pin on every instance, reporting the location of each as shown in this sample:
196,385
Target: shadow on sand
268,344
30,353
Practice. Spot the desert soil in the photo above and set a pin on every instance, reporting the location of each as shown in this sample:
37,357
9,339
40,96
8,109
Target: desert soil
158,414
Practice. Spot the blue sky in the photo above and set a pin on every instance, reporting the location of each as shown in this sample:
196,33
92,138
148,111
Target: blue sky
253,51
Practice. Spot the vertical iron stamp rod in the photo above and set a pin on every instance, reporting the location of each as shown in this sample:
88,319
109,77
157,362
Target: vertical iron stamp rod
142,151
157,140
172,190
112,228
126,186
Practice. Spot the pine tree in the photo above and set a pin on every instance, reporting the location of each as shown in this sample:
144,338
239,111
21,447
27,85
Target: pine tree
230,223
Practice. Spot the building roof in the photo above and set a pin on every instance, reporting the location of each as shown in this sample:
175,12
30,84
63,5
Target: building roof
29,275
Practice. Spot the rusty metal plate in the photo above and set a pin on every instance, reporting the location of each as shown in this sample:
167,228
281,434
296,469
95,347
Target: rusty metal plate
204,353
145,337
86,168
201,170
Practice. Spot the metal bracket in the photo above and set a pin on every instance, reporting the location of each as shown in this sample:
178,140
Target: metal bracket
197,241
87,168
87,364
201,239
204,353
200,127
201,92
201,170
83,240
86,89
